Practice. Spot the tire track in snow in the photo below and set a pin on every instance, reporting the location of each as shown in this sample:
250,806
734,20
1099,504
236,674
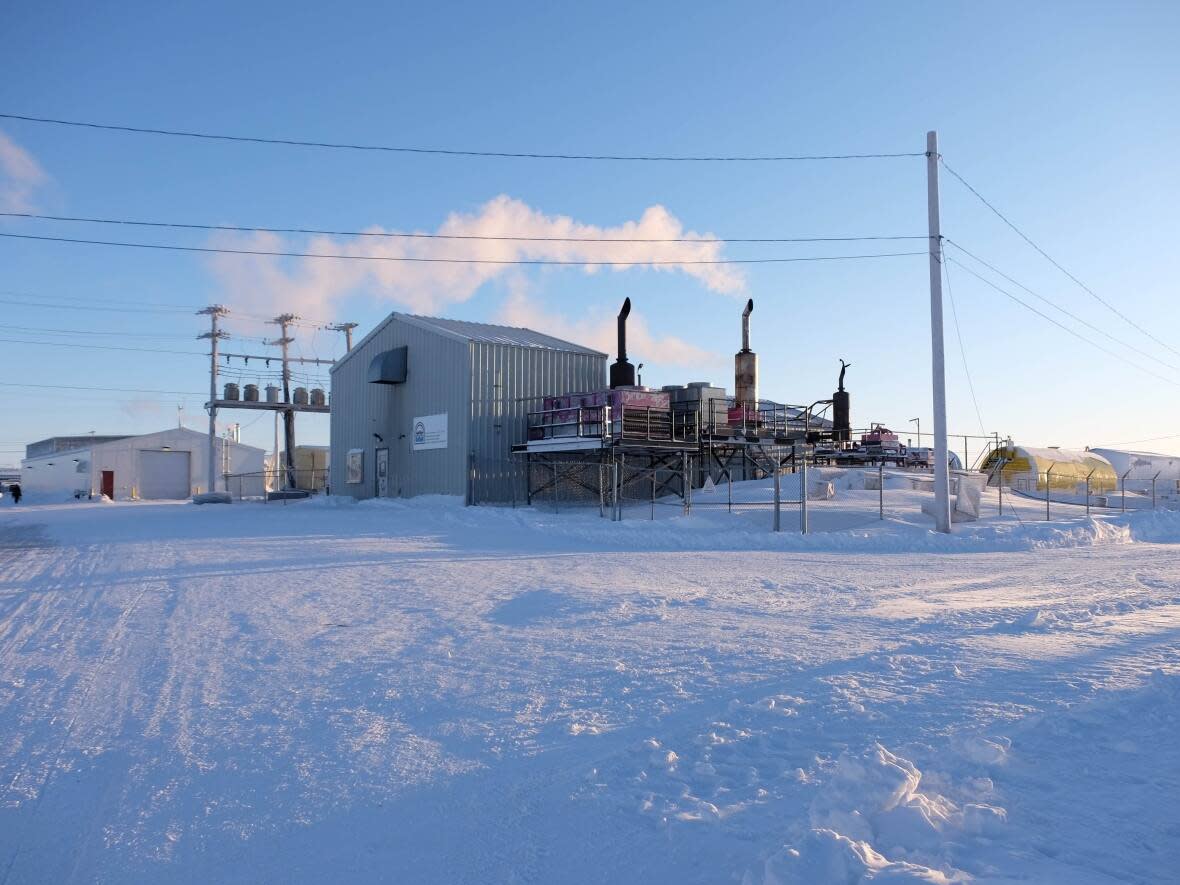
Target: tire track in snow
83,566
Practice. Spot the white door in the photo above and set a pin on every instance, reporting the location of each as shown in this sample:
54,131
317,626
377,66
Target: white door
163,475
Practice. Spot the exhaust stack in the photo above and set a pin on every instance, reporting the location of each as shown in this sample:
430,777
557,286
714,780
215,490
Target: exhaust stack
745,367
842,408
622,373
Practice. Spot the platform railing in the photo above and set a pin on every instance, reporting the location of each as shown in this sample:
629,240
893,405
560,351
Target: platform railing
631,423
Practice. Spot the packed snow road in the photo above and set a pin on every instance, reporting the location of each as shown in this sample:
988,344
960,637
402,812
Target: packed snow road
418,692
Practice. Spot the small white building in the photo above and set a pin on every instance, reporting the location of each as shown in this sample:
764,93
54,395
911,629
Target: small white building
167,465
1141,471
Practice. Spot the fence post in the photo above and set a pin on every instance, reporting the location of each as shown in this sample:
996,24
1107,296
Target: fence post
777,501
1088,475
1048,478
555,480
803,527
881,491
684,480
653,494
1153,479
601,489
614,490
1000,483
1123,490
729,488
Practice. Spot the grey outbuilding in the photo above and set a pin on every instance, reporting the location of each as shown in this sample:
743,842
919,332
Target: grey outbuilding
427,406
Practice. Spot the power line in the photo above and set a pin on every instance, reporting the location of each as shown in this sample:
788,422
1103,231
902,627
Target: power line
962,350
453,152
102,347
1058,307
59,306
1054,262
98,332
15,293
416,259
1128,442
104,389
1059,325
435,236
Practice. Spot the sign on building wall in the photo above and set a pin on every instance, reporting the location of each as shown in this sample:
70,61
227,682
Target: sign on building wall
429,432
354,466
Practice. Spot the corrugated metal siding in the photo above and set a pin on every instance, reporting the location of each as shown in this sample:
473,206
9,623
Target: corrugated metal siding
436,382
485,388
507,382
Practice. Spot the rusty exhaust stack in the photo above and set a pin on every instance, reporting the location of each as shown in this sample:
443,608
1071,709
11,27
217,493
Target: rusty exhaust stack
746,325
622,373
745,367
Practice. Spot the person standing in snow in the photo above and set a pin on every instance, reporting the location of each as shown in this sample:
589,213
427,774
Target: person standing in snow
14,490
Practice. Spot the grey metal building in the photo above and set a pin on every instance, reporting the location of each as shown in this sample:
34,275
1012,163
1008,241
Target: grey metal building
433,406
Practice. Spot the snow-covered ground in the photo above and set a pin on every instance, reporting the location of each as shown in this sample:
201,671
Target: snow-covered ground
421,692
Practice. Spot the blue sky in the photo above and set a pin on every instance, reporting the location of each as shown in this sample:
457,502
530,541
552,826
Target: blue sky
1061,113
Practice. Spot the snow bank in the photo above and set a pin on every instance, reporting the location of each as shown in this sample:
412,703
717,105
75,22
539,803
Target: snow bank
873,822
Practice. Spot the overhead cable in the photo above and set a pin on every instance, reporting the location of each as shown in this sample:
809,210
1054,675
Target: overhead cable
1055,263
962,350
236,228
102,347
1059,325
1058,307
417,259
454,152
105,389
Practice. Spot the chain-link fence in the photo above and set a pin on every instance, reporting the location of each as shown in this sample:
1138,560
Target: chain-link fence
260,485
645,487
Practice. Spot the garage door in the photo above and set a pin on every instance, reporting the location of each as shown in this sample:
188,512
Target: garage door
163,474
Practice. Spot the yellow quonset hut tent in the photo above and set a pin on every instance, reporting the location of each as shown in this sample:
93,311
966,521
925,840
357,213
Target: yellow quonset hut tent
1027,469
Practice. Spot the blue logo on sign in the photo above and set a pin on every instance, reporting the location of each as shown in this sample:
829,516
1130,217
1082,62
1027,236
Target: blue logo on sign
419,433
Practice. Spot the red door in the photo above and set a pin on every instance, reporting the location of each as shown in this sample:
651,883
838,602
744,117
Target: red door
108,483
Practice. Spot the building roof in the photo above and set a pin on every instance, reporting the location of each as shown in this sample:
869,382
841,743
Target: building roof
93,442
488,333
54,444
484,333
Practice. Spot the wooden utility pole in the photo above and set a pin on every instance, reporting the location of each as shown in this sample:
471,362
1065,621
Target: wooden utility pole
283,321
942,491
214,312
346,328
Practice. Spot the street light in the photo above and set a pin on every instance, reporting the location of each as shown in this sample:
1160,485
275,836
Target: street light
918,421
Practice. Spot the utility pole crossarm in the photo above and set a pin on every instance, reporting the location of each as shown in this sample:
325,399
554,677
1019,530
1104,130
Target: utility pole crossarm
346,328
276,342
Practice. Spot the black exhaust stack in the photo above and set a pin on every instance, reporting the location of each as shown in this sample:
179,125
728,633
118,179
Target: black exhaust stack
842,409
622,373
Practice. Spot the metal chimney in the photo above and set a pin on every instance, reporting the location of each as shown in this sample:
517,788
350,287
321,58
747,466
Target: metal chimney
842,408
745,367
622,373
